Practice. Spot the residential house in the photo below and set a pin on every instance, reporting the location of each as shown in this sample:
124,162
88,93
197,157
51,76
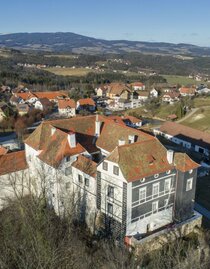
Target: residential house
43,104
153,93
138,86
52,96
171,97
185,91
101,91
26,97
185,136
67,107
132,121
143,95
124,104
15,100
86,104
118,90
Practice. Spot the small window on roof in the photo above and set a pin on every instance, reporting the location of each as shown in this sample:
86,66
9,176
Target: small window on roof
156,175
190,172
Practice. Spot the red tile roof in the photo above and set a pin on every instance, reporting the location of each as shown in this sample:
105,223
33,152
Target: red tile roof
132,119
142,159
51,95
137,84
112,132
186,133
117,88
85,165
62,104
86,101
57,148
184,163
13,162
3,151
185,90
25,95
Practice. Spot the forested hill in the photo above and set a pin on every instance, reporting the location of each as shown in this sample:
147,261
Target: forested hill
70,42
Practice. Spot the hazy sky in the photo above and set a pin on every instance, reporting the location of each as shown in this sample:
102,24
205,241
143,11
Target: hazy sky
176,21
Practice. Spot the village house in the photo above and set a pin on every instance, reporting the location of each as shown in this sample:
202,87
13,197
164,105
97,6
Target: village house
86,104
101,91
43,104
171,97
153,93
185,136
185,91
118,90
132,121
143,95
137,86
67,107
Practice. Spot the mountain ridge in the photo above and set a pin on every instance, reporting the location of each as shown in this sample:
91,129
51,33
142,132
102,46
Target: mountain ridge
76,43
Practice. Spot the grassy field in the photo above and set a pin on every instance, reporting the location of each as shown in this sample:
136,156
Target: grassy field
183,80
69,71
200,101
199,120
66,56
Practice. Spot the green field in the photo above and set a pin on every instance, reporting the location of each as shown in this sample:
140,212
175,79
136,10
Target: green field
69,71
200,101
183,80
199,120
66,56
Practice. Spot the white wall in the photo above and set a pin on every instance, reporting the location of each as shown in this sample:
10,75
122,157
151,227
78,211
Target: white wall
108,178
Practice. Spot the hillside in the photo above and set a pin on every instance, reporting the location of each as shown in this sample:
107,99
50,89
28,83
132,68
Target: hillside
70,42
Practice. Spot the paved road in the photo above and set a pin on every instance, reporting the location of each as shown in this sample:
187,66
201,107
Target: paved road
188,115
202,210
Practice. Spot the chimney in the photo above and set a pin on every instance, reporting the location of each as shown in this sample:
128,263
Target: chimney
97,127
72,139
53,129
121,142
170,156
131,139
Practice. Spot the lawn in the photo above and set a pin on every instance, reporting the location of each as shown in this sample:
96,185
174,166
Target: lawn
201,101
199,120
66,56
183,80
69,71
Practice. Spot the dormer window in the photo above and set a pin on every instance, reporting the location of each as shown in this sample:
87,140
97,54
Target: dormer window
67,158
105,166
116,170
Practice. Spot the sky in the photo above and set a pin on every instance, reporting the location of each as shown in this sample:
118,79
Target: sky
174,21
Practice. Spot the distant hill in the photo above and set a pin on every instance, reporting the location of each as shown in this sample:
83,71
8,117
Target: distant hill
70,42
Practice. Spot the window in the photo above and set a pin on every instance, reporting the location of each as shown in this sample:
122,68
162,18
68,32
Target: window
155,189
105,166
67,185
87,183
142,179
68,171
168,172
189,184
67,158
156,175
80,178
110,191
190,172
115,170
155,207
167,184
142,193
110,208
